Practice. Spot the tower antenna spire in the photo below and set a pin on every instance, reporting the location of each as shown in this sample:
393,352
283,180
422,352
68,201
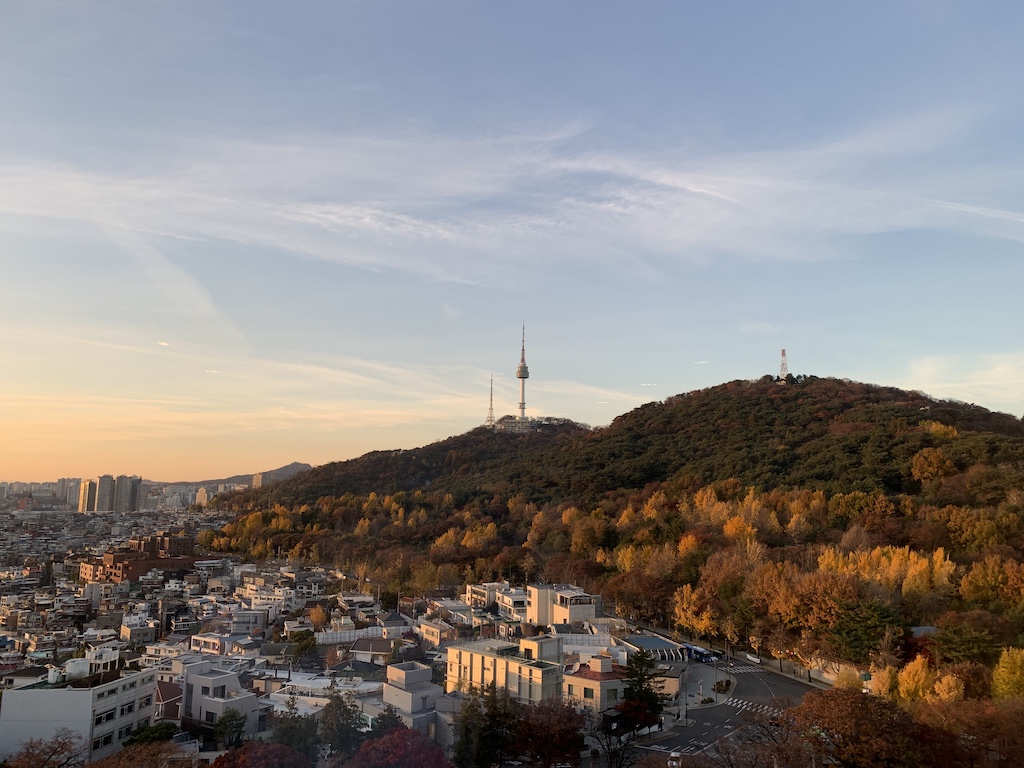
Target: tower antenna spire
783,369
490,411
522,373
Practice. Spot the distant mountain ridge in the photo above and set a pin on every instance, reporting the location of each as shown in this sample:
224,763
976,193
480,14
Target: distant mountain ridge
269,476
829,434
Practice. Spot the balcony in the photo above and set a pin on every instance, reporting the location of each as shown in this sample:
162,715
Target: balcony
199,727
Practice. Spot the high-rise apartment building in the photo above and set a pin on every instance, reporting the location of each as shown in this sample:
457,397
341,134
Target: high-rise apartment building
74,489
126,493
105,493
87,496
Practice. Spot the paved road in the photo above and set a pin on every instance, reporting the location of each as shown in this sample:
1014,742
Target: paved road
754,689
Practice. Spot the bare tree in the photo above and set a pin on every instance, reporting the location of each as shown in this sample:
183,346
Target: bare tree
64,750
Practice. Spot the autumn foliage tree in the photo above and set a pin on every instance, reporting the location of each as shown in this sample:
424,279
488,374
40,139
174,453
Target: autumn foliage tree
258,754
855,730
398,748
552,732
318,617
142,755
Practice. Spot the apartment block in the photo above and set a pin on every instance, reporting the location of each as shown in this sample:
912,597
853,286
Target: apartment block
531,670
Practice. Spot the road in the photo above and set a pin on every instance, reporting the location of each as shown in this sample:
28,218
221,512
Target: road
755,689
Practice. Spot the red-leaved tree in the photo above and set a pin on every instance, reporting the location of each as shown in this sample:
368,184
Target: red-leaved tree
399,748
258,754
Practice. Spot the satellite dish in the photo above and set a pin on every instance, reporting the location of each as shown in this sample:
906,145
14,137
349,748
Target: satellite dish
575,668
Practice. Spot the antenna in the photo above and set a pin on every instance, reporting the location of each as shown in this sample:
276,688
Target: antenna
783,369
490,411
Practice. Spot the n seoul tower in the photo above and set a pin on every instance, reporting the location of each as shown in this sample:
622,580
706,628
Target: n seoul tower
522,373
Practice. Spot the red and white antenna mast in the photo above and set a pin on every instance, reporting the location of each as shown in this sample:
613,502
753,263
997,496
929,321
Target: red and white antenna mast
783,369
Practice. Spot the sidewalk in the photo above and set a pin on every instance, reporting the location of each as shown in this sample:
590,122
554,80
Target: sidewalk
700,679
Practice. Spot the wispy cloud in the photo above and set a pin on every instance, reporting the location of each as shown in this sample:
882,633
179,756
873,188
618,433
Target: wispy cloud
995,380
430,205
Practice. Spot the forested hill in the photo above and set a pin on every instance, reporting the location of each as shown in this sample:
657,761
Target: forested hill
388,472
818,517
823,434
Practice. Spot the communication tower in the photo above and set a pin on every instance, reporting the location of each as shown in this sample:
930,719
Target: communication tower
522,373
490,411
783,369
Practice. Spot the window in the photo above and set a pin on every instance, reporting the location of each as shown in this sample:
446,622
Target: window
104,717
588,693
127,708
102,741
128,686
205,690
613,694
142,723
211,717
218,691
145,701
124,732
572,690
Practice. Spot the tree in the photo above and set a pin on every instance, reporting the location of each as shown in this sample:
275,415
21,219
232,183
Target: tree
305,643
915,681
152,734
386,721
962,642
341,725
468,730
503,717
643,699
299,732
145,755
855,730
231,727
931,464
1008,676
618,746
861,628
63,750
318,617
258,754
552,732
398,748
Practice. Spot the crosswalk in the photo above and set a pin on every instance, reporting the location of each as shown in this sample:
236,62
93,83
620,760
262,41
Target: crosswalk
751,706
739,668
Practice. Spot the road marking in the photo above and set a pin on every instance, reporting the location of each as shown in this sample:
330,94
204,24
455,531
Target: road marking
751,706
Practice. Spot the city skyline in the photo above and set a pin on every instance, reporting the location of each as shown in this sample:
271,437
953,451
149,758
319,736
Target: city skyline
238,236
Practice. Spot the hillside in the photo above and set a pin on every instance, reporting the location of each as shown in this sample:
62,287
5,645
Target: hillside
836,436
388,472
269,476
818,516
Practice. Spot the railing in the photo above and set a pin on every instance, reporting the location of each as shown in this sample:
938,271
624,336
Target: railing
198,727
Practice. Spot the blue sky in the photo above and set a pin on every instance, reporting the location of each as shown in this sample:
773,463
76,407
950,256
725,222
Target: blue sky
238,234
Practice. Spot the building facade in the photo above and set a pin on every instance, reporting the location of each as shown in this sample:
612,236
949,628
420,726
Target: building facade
103,709
530,671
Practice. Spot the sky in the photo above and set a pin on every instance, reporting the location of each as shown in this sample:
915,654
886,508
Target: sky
239,234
